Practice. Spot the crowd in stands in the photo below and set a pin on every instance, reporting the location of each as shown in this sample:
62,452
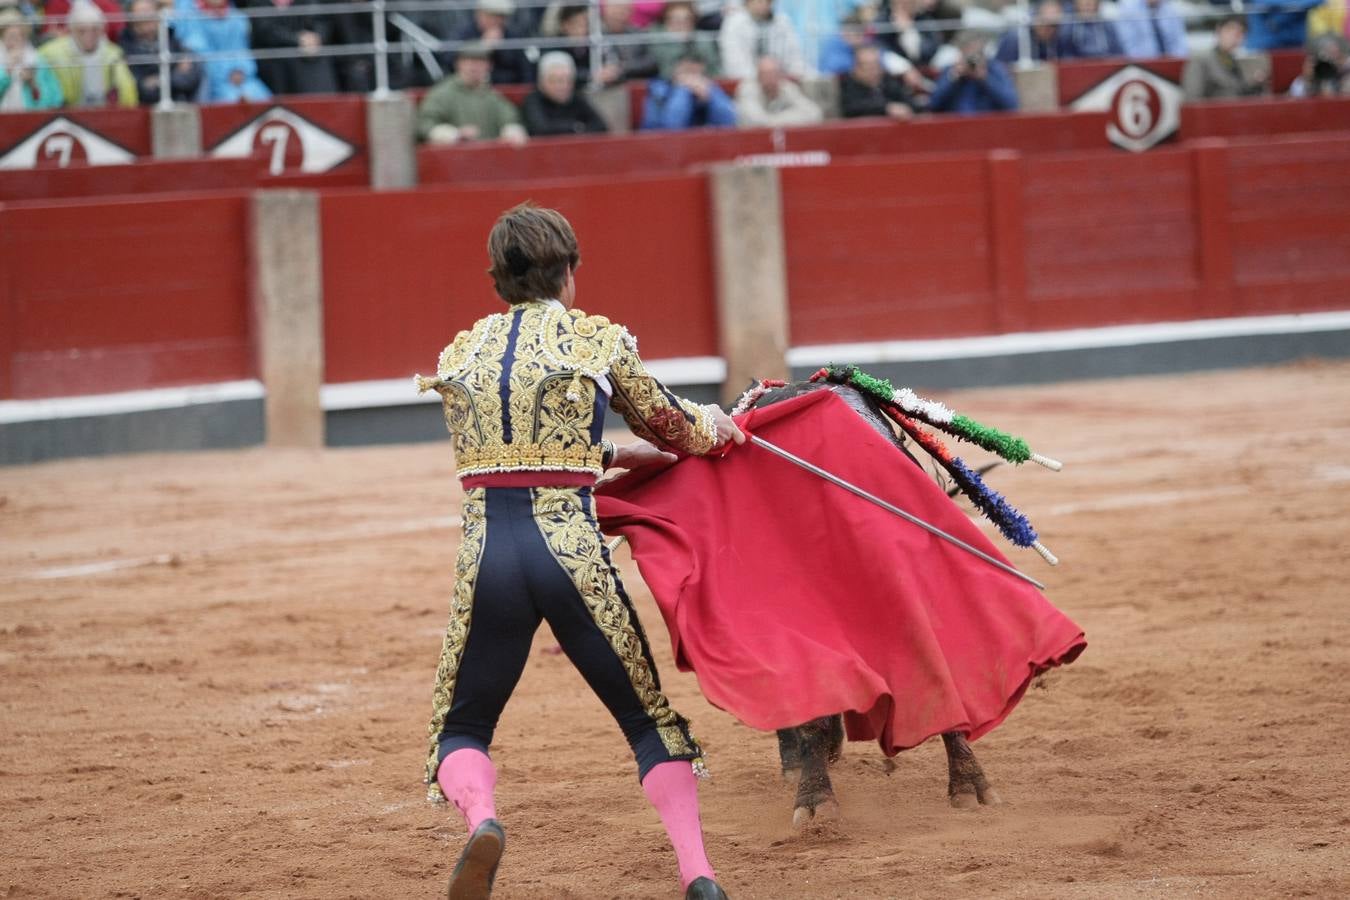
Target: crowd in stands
718,63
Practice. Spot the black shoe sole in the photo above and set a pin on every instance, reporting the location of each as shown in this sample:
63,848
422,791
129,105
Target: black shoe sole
477,866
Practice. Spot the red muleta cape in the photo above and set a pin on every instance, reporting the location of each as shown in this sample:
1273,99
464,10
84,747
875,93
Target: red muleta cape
791,598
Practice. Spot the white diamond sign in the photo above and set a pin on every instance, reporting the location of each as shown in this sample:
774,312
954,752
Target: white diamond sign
1145,108
61,142
284,136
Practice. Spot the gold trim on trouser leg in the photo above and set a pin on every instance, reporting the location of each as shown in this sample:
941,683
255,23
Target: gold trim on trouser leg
457,631
574,542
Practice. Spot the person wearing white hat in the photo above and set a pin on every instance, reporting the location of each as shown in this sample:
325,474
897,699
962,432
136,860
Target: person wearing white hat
91,69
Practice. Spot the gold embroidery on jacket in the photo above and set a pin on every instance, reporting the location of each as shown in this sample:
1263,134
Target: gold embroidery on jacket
559,356
575,543
457,631
647,409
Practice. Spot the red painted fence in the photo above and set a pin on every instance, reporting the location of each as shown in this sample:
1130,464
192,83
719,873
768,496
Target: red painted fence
106,296
98,297
404,271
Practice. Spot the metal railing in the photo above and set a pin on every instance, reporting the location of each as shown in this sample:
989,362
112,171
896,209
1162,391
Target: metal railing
415,40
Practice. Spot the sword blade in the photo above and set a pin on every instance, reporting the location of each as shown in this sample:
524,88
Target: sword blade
889,507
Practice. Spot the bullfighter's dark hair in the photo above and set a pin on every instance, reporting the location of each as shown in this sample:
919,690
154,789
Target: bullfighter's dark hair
531,249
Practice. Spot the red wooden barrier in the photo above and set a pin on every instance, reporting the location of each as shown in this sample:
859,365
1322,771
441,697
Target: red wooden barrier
403,272
100,297
106,296
1289,204
1078,77
884,250
1026,133
1272,117
297,136
141,177
301,135
667,151
1110,239
126,130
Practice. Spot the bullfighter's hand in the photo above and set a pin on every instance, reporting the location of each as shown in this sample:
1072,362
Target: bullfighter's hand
727,430
639,454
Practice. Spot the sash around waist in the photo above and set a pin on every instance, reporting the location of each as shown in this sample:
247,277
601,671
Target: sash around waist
530,479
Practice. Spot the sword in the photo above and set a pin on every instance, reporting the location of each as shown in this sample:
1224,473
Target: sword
889,507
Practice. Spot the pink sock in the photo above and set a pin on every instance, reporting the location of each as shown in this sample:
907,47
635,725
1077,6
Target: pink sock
673,790
468,778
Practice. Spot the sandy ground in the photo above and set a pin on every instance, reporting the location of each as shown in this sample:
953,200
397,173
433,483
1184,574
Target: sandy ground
215,676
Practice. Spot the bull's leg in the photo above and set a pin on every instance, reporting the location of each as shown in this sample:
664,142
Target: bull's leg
789,750
815,794
967,787
836,738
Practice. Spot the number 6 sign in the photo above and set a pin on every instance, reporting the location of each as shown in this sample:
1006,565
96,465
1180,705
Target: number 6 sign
1145,108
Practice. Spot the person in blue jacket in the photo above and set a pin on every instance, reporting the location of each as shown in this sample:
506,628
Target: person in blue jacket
1274,24
974,83
1151,28
213,26
689,99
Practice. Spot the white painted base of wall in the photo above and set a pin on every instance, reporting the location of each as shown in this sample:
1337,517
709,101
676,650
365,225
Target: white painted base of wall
709,370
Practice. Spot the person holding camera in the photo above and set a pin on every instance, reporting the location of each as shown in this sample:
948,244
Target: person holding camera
974,83
1326,70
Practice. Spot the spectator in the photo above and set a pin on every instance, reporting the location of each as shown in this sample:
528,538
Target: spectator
1089,34
90,68
56,13
489,28
836,54
141,38
1283,24
918,47
26,81
623,60
647,13
573,22
678,25
974,83
710,13
869,90
216,27
308,73
688,99
464,107
755,30
1216,74
1049,42
816,22
1151,28
770,100
1326,71
1329,18
556,107
356,72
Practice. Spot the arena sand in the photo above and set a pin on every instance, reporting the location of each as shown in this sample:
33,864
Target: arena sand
215,672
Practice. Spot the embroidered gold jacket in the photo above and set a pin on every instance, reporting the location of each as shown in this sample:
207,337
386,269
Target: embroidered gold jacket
526,390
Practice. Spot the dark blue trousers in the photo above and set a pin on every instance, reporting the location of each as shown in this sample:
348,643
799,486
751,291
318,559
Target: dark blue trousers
540,557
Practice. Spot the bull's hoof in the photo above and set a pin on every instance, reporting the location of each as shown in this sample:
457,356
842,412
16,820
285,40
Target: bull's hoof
965,800
823,811
972,796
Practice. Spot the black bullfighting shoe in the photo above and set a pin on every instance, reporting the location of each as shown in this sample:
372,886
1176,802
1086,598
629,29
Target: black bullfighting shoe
477,867
704,888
